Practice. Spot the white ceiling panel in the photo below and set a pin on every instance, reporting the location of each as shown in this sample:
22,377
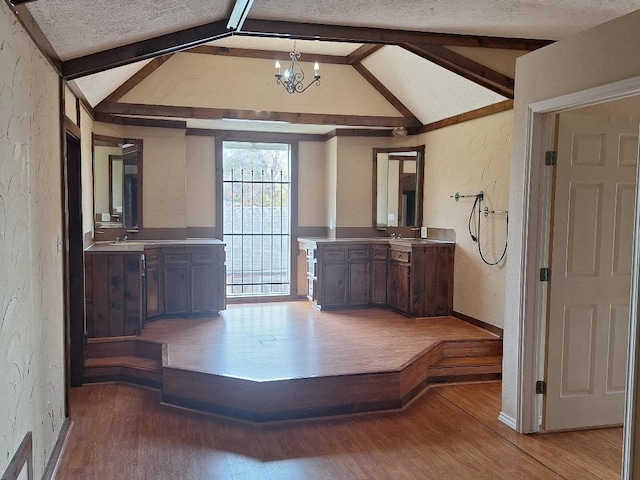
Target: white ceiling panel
98,86
426,89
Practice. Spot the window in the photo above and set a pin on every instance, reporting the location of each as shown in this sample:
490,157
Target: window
256,194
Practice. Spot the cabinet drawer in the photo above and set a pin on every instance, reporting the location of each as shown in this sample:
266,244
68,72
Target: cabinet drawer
340,254
311,252
380,253
204,256
176,256
152,259
399,256
361,253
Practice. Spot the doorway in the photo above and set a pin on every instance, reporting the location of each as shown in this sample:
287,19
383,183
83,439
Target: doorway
73,257
257,218
535,254
591,246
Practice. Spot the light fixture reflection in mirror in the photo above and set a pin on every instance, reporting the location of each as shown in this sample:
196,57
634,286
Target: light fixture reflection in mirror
397,187
117,178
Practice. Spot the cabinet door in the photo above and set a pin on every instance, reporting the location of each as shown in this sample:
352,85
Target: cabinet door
398,293
207,280
359,283
132,321
113,294
334,285
438,281
176,282
379,283
202,289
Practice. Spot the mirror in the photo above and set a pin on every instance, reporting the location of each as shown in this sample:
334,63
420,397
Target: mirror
117,182
397,186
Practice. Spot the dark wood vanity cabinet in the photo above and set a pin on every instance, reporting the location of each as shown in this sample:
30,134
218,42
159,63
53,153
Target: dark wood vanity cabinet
420,280
343,279
194,280
127,285
113,294
412,277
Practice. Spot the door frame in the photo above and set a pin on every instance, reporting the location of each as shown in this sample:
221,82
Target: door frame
540,137
257,137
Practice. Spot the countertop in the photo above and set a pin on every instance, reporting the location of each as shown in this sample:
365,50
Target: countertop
139,245
385,240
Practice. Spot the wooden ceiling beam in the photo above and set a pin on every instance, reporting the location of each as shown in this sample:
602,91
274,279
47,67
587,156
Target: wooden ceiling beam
266,54
467,116
136,78
384,91
144,110
341,33
195,36
142,50
140,122
19,8
465,67
362,52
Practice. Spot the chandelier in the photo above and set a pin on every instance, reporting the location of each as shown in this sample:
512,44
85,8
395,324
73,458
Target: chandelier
293,77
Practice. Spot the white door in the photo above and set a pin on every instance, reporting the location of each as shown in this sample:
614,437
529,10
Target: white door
588,316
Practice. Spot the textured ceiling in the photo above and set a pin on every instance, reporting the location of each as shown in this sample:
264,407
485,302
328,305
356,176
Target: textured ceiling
79,27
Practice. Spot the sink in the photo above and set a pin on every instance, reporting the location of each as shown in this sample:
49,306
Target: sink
133,242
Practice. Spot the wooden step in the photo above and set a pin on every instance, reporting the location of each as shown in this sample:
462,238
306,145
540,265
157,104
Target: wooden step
125,346
127,368
472,348
457,369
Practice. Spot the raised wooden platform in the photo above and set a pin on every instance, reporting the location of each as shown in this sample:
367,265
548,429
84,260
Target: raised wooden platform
283,361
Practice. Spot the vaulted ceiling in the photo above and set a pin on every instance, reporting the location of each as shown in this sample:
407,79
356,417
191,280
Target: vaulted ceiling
411,63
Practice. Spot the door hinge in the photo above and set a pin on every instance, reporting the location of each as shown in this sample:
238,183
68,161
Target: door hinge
545,274
551,158
541,387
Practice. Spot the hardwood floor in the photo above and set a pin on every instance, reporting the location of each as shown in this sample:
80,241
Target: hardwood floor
450,432
282,361
271,341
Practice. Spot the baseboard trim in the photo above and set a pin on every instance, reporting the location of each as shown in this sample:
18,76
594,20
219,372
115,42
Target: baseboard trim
507,420
56,453
479,323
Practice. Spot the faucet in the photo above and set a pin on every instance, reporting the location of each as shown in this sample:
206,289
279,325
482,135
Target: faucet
121,239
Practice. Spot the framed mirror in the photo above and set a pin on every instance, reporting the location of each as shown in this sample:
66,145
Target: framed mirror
117,182
398,176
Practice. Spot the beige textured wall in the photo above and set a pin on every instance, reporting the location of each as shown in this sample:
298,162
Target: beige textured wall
595,57
331,165
86,148
201,177
195,80
312,181
355,174
32,390
164,176
468,158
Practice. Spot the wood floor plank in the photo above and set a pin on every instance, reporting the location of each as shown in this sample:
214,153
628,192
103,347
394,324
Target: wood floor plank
120,431
294,340
593,454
